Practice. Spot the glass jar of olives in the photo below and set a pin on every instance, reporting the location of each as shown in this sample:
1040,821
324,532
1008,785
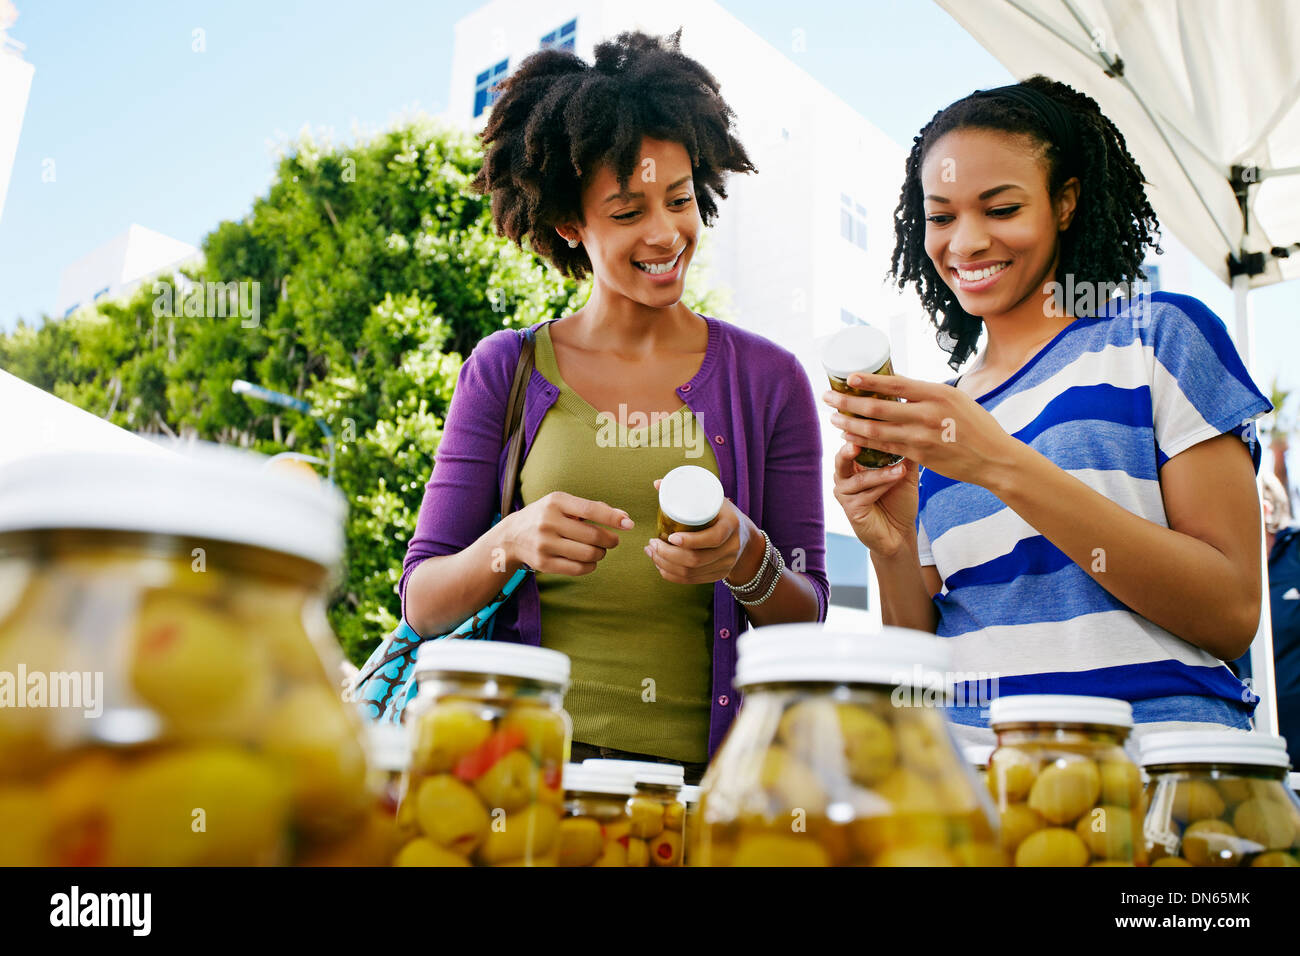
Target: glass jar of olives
860,349
690,498
1067,792
655,814
1219,798
595,828
490,738
167,673
841,755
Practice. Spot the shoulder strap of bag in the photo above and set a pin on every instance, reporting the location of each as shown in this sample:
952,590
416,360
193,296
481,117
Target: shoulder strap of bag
514,423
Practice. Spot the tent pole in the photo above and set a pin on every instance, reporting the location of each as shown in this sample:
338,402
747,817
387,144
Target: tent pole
1261,648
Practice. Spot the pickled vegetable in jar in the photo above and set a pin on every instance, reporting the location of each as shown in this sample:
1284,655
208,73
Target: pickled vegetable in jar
655,815
841,755
1219,798
1067,792
595,827
690,799
163,617
489,738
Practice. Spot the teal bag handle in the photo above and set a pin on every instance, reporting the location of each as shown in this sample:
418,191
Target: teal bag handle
386,682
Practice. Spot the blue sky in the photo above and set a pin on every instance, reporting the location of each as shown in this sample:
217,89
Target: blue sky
143,129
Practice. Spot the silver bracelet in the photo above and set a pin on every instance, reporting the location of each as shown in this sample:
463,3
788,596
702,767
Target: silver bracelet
780,568
751,586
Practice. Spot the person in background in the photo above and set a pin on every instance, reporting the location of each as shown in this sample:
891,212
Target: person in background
1282,543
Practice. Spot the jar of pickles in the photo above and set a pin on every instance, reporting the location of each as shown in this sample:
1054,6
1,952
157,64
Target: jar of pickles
167,672
595,828
655,815
1067,792
1220,798
841,755
490,738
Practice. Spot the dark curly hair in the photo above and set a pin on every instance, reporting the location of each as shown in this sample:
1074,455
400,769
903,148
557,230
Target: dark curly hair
1113,223
559,119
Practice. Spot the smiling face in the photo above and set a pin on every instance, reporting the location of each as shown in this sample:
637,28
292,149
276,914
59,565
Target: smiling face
640,242
992,232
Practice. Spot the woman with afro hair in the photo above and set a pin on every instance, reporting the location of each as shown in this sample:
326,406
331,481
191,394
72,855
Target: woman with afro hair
612,169
1077,512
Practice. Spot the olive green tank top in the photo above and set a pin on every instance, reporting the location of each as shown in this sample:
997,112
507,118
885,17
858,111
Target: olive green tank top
640,646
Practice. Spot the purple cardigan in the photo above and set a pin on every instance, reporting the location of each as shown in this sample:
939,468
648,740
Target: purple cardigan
754,402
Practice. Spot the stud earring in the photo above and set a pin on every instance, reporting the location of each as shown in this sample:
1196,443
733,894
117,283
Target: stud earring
573,243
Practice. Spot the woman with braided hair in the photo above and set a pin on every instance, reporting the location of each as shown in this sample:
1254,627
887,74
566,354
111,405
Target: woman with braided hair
612,169
1077,512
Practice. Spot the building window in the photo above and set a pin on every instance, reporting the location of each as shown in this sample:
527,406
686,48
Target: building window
853,221
846,570
484,94
848,318
561,38
1153,275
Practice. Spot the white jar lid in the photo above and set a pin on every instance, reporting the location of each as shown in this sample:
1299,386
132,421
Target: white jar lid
1243,747
501,658
593,778
1060,709
977,755
204,491
690,794
895,656
388,745
1293,780
690,494
646,771
858,348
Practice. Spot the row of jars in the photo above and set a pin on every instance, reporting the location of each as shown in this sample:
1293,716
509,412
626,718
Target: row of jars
166,698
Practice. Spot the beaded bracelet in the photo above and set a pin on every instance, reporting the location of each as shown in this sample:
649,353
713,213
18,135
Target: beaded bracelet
779,568
751,586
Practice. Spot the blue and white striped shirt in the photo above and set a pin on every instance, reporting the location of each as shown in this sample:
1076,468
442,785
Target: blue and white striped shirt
1109,400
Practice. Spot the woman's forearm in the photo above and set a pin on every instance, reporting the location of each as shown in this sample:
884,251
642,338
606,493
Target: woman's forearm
444,590
905,601
793,600
1175,580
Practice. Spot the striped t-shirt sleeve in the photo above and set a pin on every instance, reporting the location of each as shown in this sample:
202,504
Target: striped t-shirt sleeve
1200,387
923,544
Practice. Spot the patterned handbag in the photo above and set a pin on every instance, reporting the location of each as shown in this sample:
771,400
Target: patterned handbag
386,683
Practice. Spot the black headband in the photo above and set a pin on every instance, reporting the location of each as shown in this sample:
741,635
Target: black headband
1058,119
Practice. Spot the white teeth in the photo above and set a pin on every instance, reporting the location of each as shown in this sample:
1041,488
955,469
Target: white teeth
982,273
660,269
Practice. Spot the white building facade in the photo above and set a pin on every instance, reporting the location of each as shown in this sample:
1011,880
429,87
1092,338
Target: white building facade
803,246
115,269
15,87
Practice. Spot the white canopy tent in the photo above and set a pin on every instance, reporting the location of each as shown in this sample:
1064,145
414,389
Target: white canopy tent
1207,95
36,421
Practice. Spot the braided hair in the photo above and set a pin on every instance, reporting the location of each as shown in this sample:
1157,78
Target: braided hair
558,119
1112,226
